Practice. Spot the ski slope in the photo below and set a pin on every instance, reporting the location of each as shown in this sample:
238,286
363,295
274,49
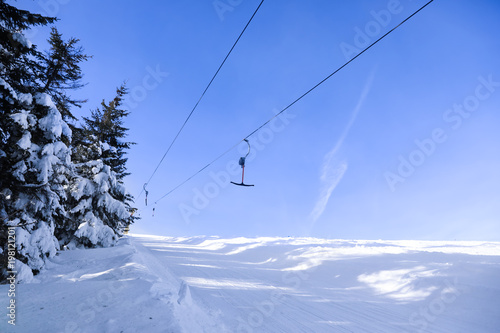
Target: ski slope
208,284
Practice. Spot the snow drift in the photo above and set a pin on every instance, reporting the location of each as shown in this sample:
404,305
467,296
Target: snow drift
209,284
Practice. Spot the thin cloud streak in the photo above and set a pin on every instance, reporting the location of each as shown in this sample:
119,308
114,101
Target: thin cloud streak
331,179
332,173
354,115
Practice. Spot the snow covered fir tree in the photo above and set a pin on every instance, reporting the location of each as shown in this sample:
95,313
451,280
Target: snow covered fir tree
100,199
60,184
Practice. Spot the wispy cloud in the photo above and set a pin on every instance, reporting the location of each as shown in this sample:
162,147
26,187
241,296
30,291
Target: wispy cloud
354,115
332,171
331,178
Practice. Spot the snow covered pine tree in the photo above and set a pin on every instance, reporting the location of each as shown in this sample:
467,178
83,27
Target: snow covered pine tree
100,199
46,196
60,72
34,161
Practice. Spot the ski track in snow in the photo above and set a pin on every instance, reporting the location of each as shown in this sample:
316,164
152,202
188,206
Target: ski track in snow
208,284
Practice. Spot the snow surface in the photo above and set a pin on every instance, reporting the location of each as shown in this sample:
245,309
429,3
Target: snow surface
208,284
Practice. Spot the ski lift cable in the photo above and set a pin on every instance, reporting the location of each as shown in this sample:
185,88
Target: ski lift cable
295,101
199,171
338,69
199,100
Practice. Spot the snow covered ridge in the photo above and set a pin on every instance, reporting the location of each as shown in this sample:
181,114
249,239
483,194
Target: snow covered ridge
266,284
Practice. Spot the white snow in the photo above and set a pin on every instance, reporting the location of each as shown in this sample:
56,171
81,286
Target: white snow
95,231
12,94
25,99
113,206
45,100
105,146
209,284
19,37
24,118
20,169
25,141
37,244
81,187
24,273
52,123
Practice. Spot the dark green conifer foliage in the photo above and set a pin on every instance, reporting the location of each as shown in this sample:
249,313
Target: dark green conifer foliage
107,125
19,62
61,72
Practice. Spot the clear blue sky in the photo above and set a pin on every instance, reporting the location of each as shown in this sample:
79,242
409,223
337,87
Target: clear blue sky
404,143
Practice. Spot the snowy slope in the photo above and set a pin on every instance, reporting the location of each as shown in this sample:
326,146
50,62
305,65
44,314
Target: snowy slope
208,284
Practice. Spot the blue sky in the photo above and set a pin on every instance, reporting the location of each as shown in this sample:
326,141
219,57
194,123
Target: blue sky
401,144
